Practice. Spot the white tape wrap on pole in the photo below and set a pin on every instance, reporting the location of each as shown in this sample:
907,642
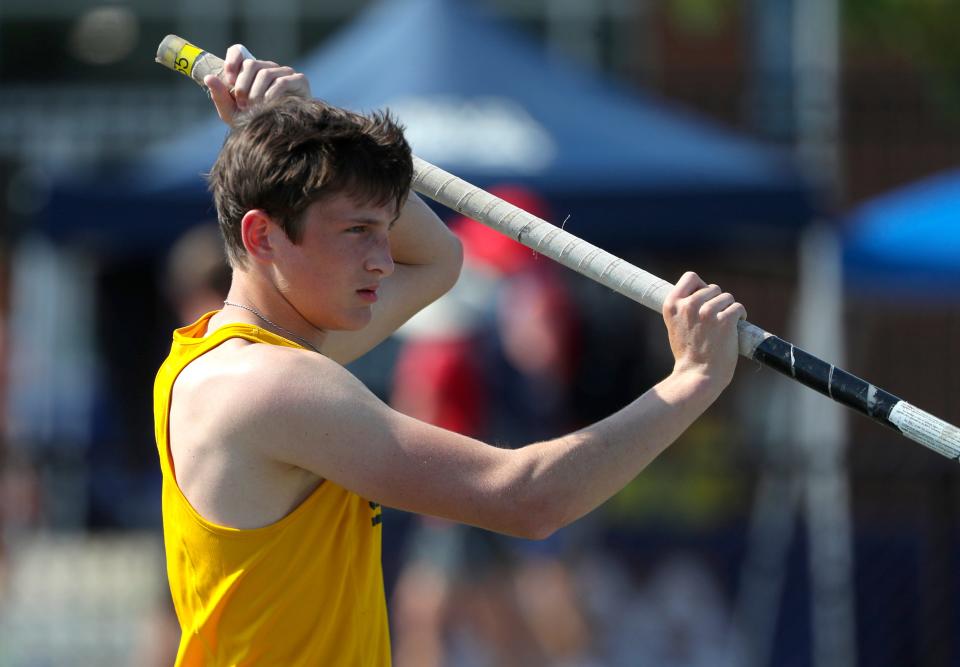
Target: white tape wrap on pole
551,241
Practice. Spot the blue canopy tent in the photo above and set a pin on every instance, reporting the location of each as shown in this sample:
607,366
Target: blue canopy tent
907,242
484,103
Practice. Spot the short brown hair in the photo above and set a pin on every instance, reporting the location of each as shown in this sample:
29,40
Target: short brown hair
286,154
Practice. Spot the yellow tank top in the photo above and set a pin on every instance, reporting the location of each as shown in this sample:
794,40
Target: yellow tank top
306,590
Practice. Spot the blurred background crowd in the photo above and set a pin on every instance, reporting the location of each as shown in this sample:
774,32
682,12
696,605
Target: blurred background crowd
804,154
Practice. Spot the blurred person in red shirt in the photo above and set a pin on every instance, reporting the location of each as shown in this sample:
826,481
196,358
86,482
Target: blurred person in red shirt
494,360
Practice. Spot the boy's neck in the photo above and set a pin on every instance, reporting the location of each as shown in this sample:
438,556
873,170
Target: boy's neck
251,301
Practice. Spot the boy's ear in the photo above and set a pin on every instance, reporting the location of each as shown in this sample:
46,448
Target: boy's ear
255,228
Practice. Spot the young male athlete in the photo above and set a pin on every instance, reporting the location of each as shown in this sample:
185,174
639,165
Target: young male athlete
275,458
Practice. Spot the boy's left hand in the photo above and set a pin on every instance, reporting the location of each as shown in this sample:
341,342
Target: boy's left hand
246,81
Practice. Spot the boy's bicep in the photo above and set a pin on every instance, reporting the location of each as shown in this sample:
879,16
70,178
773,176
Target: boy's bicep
347,435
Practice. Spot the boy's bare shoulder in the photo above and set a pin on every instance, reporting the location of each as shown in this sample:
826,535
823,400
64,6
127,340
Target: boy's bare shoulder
240,383
243,368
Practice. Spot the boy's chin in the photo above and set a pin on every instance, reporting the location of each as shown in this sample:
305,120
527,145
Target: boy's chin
354,322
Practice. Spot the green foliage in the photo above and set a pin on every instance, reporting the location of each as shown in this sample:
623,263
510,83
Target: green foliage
698,483
701,16
924,31
921,30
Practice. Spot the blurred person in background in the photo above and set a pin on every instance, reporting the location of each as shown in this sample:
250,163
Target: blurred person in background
197,275
8,481
21,489
440,378
494,359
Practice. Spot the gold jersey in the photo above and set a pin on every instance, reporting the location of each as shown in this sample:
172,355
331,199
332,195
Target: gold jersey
305,590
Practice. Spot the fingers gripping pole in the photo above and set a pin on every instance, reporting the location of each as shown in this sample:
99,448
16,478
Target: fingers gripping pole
633,282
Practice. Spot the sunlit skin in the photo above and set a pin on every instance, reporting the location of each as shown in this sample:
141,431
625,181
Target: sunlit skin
255,428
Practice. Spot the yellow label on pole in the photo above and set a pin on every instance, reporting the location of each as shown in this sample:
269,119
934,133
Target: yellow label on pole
186,57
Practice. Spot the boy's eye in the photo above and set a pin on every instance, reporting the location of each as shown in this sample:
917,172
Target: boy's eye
357,229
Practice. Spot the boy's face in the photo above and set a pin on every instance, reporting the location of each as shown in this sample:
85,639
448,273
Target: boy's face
333,275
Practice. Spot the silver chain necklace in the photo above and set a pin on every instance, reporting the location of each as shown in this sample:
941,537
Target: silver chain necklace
256,312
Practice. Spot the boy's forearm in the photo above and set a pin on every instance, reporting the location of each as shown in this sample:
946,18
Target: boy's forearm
420,237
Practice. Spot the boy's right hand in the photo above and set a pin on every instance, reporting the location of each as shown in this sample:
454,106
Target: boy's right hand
246,81
701,324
